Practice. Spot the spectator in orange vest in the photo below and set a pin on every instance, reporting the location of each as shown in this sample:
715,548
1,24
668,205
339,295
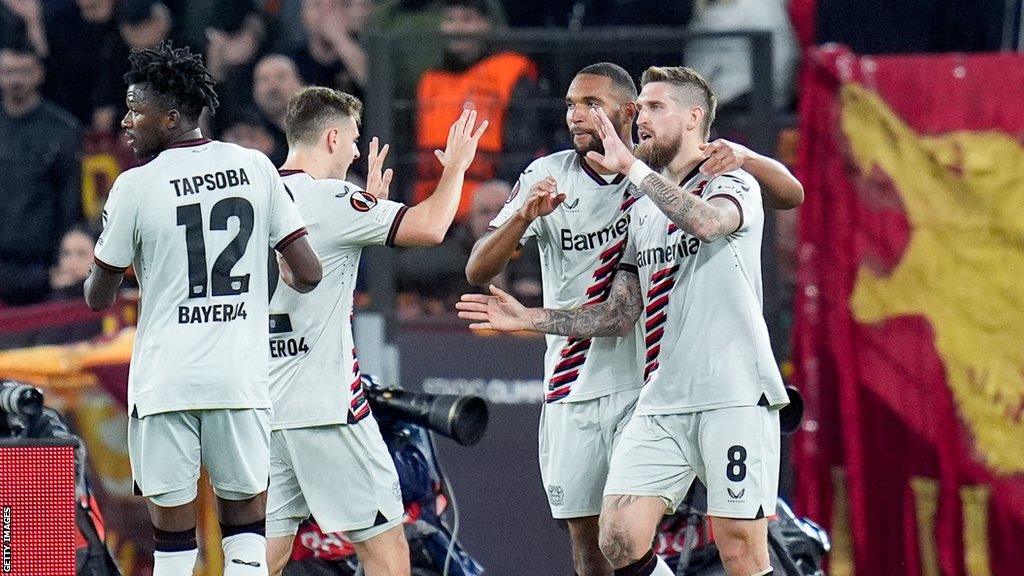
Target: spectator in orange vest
491,83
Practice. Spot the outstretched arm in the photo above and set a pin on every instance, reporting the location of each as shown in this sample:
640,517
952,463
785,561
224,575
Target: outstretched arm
616,316
426,223
780,188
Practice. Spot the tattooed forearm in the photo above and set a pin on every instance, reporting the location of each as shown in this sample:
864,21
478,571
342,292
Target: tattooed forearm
613,317
691,213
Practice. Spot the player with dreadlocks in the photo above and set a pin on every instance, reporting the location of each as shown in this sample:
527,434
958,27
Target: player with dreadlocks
196,221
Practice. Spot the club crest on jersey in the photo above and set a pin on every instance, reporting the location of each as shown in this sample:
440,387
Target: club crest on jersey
363,201
556,495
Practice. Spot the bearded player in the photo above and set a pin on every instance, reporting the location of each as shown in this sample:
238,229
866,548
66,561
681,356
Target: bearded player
196,221
580,214
328,458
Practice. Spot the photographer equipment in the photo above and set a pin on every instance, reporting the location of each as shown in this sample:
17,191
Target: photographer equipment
27,425
431,512
20,405
461,418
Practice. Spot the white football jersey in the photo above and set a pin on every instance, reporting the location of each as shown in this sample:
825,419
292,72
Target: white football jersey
580,244
705,340
198,221
314,373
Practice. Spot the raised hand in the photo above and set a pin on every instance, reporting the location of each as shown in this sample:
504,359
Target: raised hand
462,142
723,156
378,182
498,312
617,157
543,200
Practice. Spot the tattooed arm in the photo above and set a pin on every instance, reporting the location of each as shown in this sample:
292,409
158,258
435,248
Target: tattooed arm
707,220
616,316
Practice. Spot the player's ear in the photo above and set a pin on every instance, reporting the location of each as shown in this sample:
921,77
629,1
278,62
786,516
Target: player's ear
695,119
331,137
172,119
629,111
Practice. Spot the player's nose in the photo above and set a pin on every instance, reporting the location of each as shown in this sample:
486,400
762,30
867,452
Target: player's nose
126,121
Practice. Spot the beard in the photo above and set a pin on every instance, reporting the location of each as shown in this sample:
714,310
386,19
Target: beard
595,144
657,155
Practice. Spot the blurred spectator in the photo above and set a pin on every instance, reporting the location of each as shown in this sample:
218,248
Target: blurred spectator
24,19
73,263
39,160
433,278
247,129
234,37
86,60
492,83
725,62
332,55
522,274
275,81
144,23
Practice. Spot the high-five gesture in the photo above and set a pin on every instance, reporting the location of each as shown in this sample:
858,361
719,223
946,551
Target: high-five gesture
544,198
617,157
378,182
462,141
498,312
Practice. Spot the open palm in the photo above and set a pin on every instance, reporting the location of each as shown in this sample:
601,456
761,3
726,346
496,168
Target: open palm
499,311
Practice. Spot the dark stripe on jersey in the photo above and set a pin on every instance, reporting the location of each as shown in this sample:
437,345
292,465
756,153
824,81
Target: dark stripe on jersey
734,201
108,267
289,191
629,268
190,143
393,232
290,238
597,177
290,172
692,173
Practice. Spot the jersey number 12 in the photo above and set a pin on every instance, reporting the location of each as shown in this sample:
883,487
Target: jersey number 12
220,280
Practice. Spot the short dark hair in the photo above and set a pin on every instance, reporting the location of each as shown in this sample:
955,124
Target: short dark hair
311,108
693,84
177,76
621,80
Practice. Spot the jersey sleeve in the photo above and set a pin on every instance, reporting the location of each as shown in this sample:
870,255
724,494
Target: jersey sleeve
517,197
286,224
743,192
115,248
362,219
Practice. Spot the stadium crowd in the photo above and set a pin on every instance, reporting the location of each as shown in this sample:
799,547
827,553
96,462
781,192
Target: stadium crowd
62,63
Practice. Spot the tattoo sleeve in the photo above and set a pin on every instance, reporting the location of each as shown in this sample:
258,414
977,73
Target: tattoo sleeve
613,317
691,213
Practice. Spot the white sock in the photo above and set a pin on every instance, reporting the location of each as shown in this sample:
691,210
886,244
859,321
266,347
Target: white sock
661,569
174,563
245,555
